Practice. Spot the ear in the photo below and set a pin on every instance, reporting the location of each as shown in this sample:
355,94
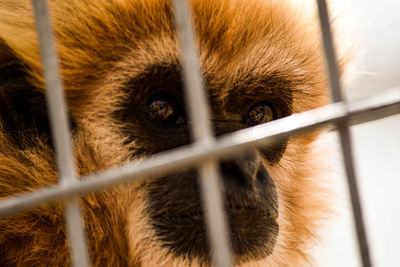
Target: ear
23,114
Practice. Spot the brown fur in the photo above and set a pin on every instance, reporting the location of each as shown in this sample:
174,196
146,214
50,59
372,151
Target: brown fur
102,44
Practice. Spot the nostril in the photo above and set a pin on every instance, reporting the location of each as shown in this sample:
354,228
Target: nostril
263,177
248,164
240,171
232,174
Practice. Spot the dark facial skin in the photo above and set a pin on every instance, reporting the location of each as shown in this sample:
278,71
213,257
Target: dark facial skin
174,201
250,202
22,107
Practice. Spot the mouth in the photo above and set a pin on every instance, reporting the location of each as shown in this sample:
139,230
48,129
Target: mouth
176,215
233,211
253,231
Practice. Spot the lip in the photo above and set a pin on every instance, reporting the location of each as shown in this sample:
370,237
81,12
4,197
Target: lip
188,216
253,231
182,217
269,212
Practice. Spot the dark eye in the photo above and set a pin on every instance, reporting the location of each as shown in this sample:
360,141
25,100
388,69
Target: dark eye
165,110
260,113
161,109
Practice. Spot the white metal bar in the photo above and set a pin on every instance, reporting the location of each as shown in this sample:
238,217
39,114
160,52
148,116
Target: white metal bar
60,131
196,99
225,146
196,96
344,133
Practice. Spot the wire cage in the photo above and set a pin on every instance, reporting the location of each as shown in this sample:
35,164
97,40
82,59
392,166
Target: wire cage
206,149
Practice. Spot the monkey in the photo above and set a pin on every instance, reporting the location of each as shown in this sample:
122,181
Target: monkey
261,60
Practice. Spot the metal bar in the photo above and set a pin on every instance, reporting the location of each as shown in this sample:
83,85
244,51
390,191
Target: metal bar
196,96
60,131
199,112
376,111
344,133
264,134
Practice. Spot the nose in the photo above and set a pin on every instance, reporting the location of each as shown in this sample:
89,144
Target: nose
240,170
245,175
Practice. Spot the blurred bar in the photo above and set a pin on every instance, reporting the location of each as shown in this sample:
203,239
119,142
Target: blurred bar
265,134
344,133
196,101
60,132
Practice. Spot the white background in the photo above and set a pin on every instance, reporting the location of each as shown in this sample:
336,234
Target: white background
372,29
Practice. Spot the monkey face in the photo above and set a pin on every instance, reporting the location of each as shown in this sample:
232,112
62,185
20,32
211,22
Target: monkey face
260,62
150,117
174,206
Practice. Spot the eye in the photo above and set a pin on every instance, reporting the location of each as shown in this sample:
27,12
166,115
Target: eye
163,109
261,113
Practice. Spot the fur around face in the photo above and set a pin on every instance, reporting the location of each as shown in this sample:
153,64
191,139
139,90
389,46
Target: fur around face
249,50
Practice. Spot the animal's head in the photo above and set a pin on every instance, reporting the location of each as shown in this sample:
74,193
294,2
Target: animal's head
120,63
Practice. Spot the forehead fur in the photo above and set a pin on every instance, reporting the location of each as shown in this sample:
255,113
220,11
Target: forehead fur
238,40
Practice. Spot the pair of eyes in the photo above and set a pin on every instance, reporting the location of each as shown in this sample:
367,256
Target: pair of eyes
163,109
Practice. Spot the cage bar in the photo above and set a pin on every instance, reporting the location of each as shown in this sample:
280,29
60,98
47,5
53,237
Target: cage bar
197,102
354,111
60,131
344,133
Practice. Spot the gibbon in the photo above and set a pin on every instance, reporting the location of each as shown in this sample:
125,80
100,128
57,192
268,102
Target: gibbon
261,60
